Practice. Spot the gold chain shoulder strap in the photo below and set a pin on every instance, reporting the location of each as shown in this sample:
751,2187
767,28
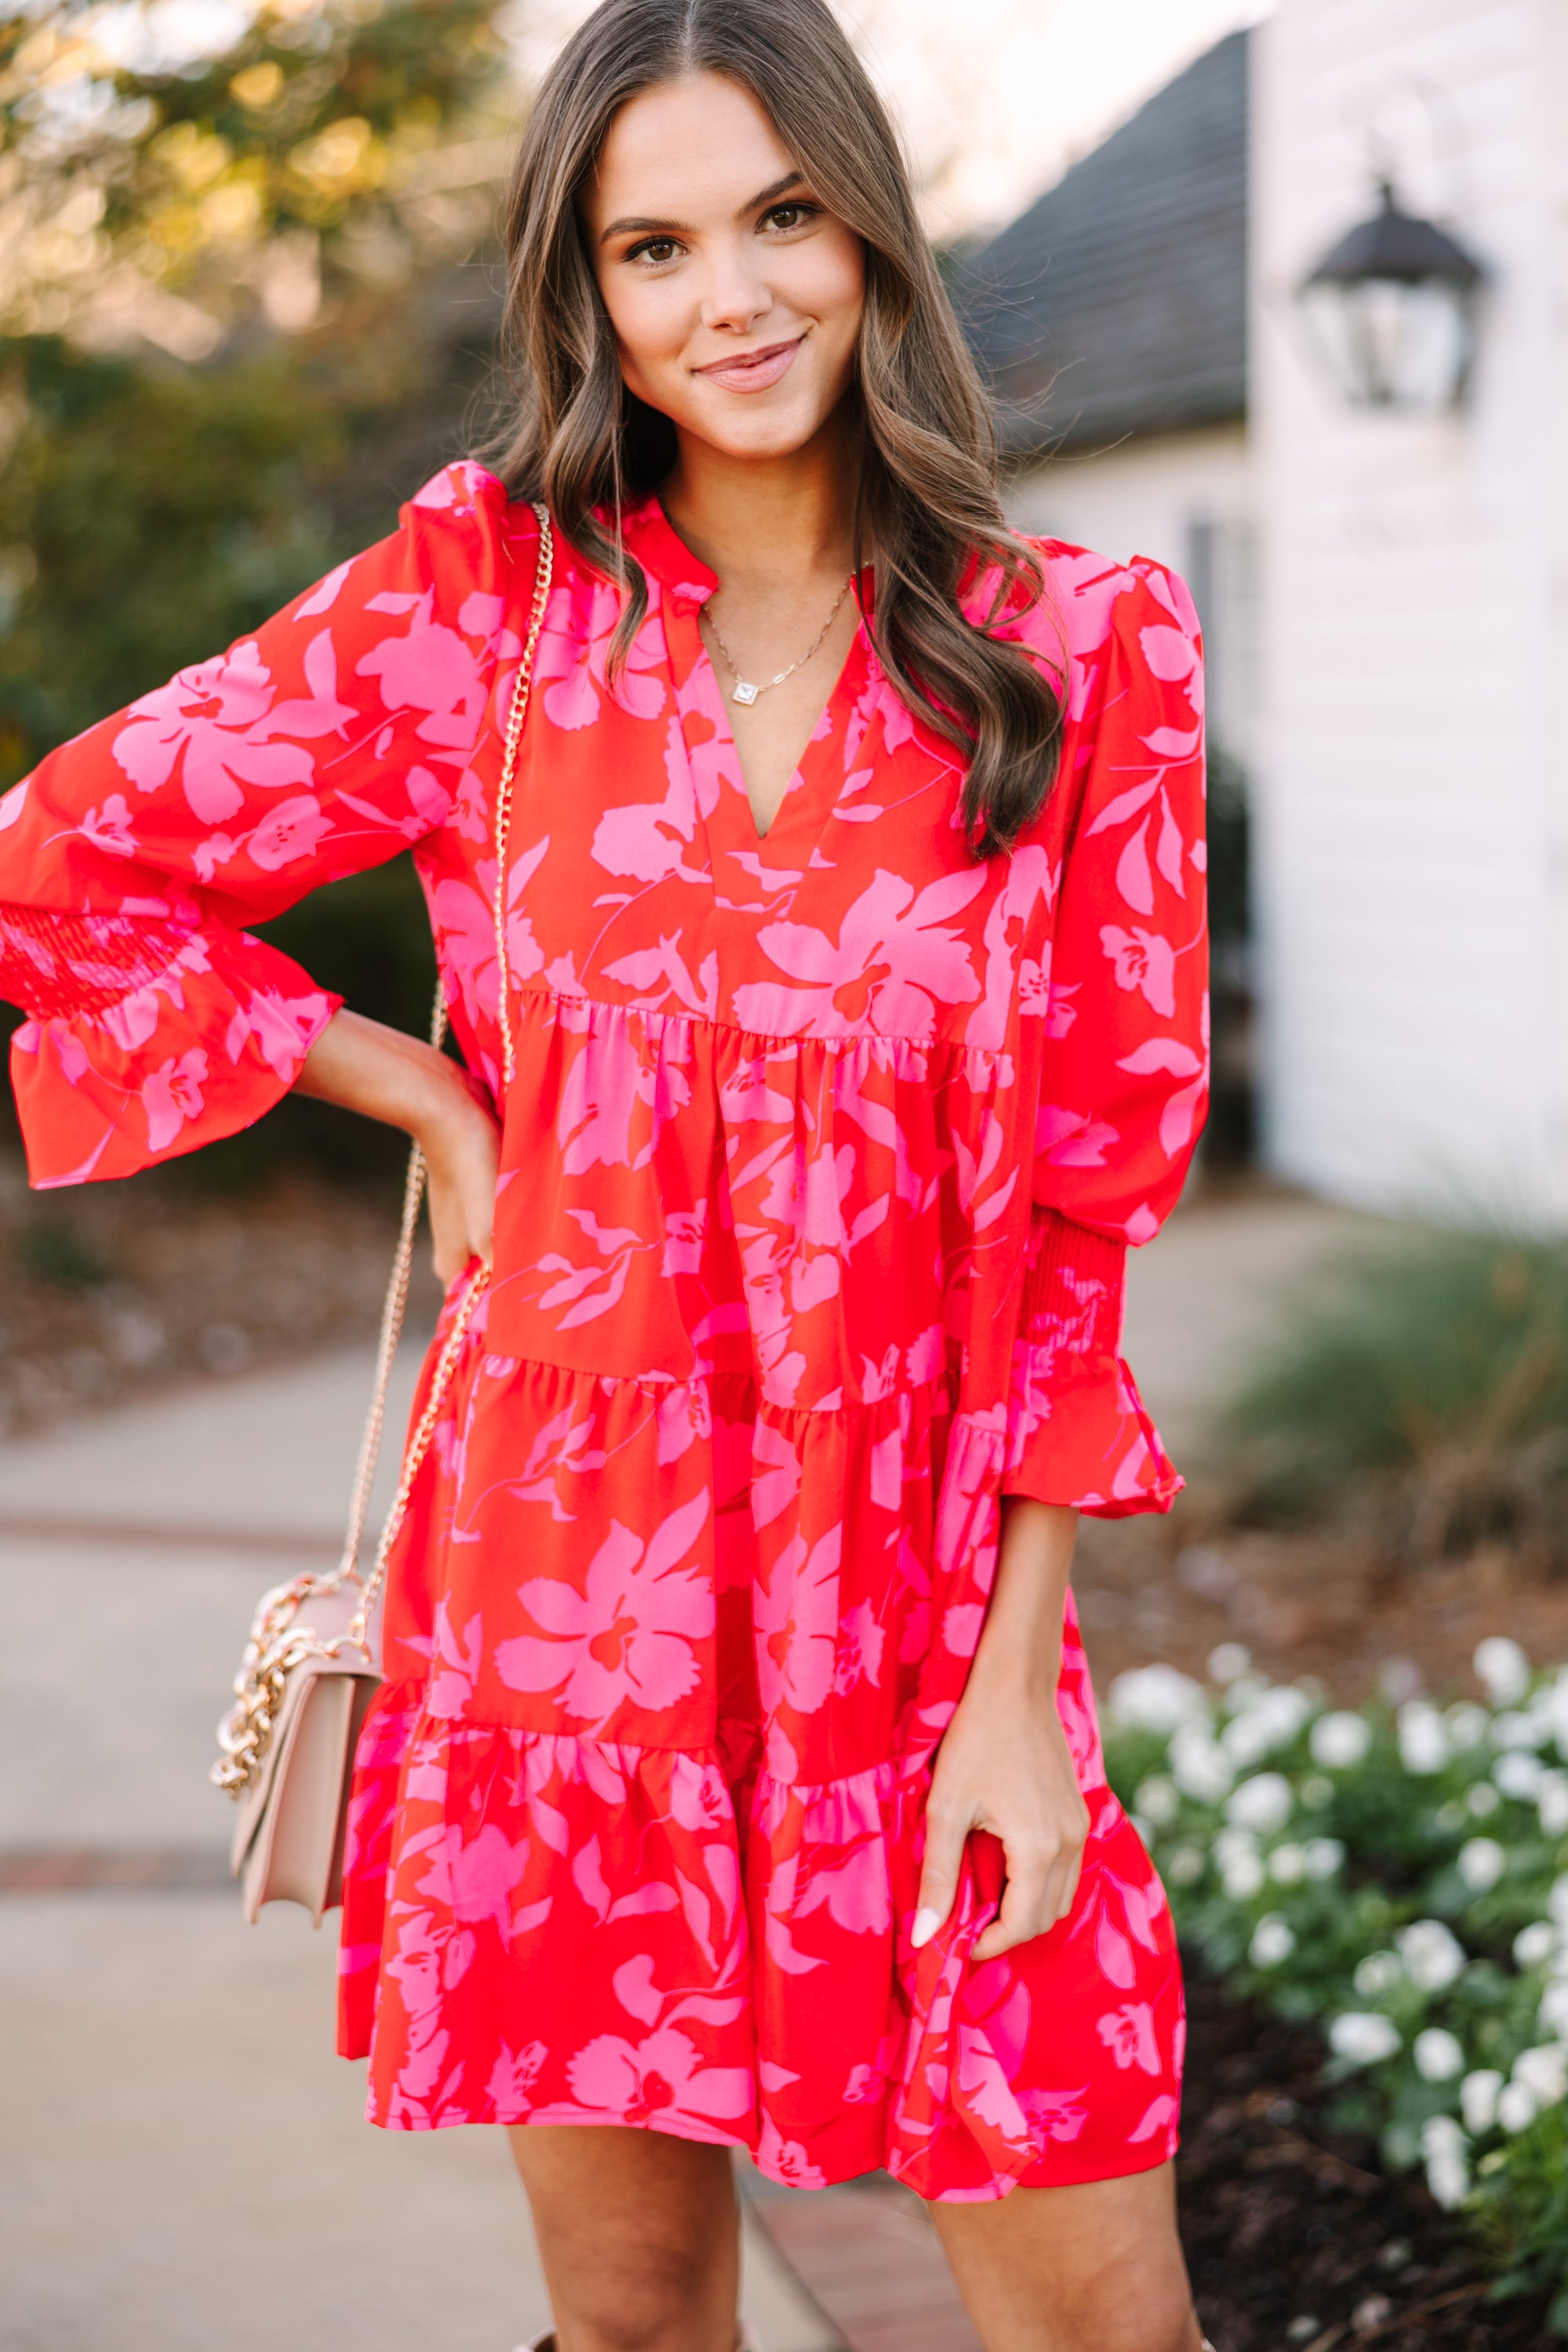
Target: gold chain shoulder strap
279,1642
522,686
413,1191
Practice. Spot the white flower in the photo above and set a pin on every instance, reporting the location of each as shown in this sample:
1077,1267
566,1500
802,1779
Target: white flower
1423,1736
1444,2149
1432,1954
1520,1774
1339,1740
1438,2054
1185,1866
1239,1864
1502,1669
1316,1791
1157,1801
1553,2014
1199,1766
1516,2107
1513,1729
1228,1662
1263,1803
1321,1856
1534,1944
1481,1864
1156,1698
1271,1720
1467,1723
1378,1974
1273,1940
1479,2098
1543,2073
1363,2037
1482,1800
1288,1864
1551,1799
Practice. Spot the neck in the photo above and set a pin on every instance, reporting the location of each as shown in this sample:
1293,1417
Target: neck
773,518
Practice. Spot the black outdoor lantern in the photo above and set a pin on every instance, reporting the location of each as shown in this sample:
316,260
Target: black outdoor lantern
1391,309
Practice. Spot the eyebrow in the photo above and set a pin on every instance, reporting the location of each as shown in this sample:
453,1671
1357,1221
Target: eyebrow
637,226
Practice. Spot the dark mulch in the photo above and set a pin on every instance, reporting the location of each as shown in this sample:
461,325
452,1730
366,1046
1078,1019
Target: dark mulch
1296,2241
1304,1602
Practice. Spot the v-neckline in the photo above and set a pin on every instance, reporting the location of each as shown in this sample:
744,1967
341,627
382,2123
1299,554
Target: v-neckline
745,861
822,728
790,847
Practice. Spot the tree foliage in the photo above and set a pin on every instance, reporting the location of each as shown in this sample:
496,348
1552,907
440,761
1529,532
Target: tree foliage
168,200
244,310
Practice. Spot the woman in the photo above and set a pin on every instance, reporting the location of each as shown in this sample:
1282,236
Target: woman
736,1778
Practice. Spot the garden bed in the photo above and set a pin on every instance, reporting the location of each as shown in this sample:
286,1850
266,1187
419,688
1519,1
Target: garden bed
1296,2239
1304,1601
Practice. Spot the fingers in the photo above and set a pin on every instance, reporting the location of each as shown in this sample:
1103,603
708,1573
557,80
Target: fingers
1027,1908
947,1826
1041,1888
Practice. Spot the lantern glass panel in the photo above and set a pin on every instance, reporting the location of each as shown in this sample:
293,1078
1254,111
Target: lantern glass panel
1392,344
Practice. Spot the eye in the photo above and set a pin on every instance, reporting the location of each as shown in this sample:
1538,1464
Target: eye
656,249
793,215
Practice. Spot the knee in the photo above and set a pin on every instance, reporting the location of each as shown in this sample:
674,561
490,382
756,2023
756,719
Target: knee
644,2301
1155,2323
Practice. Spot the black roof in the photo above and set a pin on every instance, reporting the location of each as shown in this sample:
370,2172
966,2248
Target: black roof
1117,304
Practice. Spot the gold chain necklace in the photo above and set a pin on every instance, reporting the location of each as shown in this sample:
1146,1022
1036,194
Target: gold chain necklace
745,690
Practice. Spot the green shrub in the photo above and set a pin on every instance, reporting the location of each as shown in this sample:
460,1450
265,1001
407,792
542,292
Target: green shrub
1400,1879
1427,1396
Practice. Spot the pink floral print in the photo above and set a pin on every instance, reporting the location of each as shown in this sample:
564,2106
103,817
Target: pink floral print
822,1154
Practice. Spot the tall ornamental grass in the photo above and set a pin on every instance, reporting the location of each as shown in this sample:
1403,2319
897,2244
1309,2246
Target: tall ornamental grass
1424,1399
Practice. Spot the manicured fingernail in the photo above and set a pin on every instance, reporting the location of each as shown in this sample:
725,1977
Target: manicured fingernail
927,1922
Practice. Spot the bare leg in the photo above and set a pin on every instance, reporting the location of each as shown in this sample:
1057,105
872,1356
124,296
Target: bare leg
1095,2268
638,2234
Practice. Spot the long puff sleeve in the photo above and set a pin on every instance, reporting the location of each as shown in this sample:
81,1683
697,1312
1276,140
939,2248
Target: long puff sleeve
1124,1066
132,857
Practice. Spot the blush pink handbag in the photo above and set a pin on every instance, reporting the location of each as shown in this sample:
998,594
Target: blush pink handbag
309,1673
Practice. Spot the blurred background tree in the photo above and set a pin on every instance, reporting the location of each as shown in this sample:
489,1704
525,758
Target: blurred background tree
248,302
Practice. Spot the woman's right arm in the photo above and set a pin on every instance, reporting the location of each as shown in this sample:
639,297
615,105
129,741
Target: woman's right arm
135,859
380,1072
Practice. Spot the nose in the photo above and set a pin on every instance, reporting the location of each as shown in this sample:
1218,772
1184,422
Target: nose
736,295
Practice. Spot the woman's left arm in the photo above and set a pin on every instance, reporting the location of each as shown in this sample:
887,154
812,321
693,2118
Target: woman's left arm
1003,1764
1123,1086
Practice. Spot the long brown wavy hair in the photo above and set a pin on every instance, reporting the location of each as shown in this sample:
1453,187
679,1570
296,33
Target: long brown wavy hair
928,508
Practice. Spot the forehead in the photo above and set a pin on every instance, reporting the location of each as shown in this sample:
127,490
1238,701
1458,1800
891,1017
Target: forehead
684,149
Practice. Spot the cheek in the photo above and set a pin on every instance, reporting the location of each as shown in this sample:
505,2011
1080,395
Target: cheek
831,286
650,319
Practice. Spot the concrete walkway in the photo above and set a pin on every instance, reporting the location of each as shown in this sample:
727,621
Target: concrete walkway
184,2166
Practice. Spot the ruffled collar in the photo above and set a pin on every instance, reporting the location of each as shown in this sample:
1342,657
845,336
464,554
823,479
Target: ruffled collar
650,536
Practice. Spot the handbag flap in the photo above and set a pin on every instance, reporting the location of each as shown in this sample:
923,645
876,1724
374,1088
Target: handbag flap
290,1859
327,1615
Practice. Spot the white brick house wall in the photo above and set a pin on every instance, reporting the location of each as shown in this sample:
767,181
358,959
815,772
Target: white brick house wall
1186,499
1411,782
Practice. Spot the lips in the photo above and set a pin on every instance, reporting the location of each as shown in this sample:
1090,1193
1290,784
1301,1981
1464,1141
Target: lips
752,370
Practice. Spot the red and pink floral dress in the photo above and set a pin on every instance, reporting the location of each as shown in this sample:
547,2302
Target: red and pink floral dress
822,1153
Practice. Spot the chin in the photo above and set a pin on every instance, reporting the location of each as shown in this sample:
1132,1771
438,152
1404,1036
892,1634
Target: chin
761,437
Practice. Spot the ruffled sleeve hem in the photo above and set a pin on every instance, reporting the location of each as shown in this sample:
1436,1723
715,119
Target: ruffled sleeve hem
1079,1432
210,1034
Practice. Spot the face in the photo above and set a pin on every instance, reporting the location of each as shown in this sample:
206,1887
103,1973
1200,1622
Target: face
735,297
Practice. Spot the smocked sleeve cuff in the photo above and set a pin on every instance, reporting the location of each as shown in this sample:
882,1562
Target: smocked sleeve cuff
1078,1430
149,1037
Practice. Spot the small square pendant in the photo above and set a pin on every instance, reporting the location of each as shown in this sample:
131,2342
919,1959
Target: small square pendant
744,690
